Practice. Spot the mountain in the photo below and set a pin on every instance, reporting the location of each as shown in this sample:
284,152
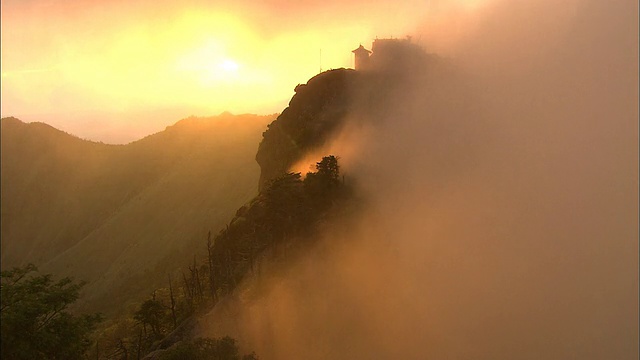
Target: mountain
333,99
295,210
118,216
315,112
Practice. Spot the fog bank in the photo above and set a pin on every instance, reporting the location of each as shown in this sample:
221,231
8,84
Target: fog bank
504,218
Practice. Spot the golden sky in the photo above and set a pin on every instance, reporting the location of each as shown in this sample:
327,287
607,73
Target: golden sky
98,68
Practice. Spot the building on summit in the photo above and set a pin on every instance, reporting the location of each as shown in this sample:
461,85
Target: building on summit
361,58
385,54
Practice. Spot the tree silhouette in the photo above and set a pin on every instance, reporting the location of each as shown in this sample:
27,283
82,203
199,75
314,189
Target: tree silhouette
152,314
321,185
35,323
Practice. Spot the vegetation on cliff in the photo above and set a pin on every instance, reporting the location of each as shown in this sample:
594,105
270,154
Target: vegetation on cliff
281,219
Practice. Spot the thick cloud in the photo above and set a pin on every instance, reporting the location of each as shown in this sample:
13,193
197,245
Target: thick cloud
504,219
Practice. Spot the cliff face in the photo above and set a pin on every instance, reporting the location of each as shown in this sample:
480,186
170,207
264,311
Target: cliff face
320,108
315,112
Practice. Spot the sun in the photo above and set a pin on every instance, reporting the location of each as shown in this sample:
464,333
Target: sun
229,66
222,71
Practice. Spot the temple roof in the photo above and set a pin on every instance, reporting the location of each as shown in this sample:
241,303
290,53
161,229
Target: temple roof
360,50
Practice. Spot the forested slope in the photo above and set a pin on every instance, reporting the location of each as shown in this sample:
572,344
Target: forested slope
114,215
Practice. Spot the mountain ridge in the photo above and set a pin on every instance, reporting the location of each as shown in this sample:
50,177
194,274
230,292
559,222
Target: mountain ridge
68,203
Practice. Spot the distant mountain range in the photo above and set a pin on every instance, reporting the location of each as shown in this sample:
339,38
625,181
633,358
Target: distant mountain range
121,216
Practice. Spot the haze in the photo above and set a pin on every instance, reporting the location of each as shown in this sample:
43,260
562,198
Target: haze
501,188
504,219
115,71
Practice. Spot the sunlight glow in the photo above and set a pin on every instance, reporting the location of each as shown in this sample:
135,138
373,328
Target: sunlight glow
204,59
229,66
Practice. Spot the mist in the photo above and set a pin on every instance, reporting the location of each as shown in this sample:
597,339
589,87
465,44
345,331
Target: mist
503,218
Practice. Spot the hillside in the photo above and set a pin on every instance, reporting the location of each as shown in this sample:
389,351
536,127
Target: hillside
114,214
486,213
